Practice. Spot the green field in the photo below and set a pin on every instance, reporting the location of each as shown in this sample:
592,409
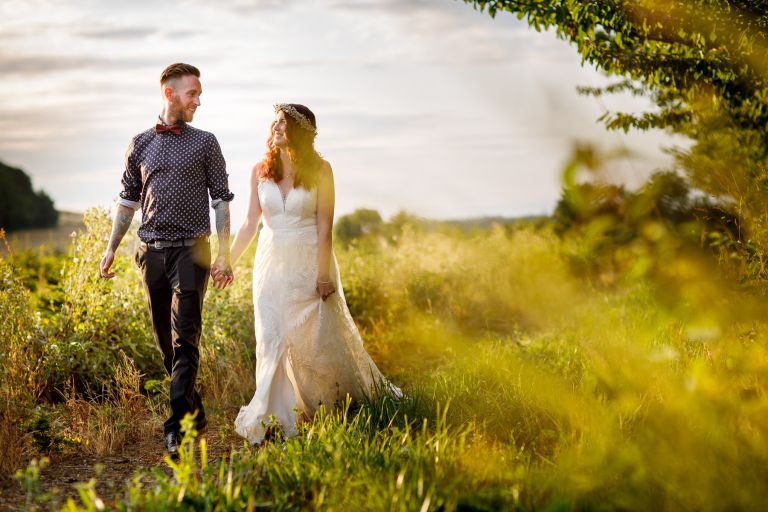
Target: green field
56,239
537,375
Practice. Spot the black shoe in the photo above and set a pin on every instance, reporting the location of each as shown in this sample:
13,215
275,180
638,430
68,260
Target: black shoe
172,445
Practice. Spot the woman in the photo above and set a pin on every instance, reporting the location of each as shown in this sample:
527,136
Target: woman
308,349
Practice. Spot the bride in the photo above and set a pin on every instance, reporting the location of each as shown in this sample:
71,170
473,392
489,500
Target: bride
308,350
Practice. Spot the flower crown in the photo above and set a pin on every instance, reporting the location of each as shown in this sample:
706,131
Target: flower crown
297,116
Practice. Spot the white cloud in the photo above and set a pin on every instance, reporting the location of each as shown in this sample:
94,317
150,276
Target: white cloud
422,104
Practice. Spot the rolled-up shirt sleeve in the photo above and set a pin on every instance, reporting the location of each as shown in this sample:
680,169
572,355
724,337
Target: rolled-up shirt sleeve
216,173
131,193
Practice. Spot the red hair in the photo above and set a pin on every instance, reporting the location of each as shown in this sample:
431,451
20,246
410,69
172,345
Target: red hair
301,150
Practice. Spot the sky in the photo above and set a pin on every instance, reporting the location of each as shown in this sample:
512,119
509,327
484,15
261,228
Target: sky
427,106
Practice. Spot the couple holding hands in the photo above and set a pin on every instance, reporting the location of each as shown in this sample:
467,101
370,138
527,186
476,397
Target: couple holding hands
309,352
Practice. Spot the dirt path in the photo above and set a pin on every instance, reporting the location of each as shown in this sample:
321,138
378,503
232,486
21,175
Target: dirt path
146,454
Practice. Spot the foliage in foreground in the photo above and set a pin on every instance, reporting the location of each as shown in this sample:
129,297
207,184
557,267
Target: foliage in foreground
702,63
527,384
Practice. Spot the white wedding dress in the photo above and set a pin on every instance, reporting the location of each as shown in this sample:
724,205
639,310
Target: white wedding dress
308,352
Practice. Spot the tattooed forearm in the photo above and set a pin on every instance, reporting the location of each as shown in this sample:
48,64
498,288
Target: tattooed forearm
223,228
120,225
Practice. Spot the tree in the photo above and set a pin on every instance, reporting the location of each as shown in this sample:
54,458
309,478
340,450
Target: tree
704,63
359,223
20,206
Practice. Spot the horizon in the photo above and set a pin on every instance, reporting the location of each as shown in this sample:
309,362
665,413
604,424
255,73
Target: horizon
385,218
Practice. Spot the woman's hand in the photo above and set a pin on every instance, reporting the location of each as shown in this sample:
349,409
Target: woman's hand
221,273
325,288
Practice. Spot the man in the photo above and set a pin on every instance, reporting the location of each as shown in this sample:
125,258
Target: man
170,170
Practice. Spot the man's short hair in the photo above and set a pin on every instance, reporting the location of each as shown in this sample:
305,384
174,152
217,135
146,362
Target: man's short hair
177,70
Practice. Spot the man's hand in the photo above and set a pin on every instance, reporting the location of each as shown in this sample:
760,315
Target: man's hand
106,262
221,272
120,226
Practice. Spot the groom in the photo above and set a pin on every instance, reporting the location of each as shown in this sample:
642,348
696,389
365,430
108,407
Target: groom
170,170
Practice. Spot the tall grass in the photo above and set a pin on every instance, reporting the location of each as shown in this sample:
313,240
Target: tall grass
20,366
121,414
528,385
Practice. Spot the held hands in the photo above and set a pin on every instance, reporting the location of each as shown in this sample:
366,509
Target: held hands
325,287
221,272
106,263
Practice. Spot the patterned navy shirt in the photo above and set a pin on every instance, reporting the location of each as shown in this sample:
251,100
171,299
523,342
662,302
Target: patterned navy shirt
170,177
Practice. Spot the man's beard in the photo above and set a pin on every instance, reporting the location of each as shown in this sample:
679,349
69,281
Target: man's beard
180,113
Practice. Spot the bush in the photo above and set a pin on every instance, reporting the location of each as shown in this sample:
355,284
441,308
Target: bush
21,369
100,319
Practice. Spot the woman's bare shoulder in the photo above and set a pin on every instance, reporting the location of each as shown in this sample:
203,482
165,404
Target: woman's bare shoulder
257,173
325,167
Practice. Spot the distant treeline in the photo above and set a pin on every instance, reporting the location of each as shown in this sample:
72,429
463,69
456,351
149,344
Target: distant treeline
367,224
20,206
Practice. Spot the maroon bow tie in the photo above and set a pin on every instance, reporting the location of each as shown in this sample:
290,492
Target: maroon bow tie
173,128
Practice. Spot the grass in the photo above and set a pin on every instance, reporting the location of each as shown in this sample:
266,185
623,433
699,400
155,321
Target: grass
528,385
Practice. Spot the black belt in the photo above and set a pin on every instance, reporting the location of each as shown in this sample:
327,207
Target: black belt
184,242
